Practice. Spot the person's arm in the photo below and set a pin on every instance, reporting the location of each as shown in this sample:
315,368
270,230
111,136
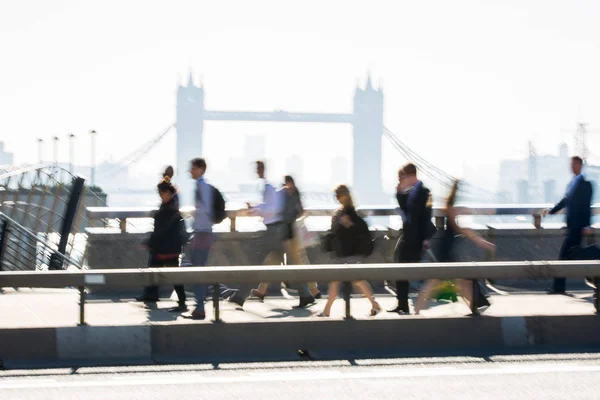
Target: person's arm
559,206
272,205
587,216
470,234
425,217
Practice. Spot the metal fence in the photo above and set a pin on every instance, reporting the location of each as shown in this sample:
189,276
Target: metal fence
23,250
49,202
327,273
123,216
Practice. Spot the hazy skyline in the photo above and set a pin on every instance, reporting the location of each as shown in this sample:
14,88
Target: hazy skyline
481,75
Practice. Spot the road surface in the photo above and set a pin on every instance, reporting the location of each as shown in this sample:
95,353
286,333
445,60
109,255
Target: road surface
564,376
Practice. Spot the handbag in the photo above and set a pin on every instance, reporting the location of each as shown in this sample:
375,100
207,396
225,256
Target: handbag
308,238
327,242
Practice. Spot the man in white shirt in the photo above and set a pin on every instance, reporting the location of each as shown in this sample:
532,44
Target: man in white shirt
203,229
271,209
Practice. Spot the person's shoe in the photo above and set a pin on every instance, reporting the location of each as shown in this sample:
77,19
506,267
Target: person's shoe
197,314
147,299
375,310
255,293
305,301
399,310
234,300
318,296
179,308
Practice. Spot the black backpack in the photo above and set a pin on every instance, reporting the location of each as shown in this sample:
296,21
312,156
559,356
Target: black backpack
219,213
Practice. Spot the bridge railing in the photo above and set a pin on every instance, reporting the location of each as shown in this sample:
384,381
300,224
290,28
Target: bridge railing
293,273
122,214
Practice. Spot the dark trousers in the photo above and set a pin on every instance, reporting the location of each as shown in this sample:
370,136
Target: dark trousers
572,239
151,292
405,253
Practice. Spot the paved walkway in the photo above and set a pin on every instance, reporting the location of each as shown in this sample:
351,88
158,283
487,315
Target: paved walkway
29,308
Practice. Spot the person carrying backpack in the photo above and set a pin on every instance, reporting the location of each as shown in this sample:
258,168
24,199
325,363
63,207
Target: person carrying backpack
210,210
351,241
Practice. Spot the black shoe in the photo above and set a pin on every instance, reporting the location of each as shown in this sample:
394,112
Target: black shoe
236,301
147,299
552,291
318,296
179,308
305,301
399,310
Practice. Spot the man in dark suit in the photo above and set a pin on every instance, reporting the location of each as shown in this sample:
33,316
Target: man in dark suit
577,200
415,203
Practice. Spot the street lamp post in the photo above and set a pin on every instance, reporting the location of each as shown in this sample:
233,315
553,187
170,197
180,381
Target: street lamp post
40,143
56,139
71,151
93,134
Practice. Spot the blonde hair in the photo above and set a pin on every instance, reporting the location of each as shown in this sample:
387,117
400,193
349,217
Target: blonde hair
343,190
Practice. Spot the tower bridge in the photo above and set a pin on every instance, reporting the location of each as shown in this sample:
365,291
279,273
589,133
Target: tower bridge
366,120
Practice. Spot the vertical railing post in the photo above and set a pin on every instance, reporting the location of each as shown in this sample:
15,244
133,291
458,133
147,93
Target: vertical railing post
596,281
474,297
56,262
347,291
3,235
123,225
537,221
440,222
216,298
82,306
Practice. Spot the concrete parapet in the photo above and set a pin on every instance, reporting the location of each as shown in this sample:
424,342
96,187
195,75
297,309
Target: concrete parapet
322,339
122,250
110,249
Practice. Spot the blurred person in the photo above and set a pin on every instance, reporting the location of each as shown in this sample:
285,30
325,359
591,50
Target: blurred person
415,203
293,245
446,255
275,237
352,243
578,201
203,238
166,242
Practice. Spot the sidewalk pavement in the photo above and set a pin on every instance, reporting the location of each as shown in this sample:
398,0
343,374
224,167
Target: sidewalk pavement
40,326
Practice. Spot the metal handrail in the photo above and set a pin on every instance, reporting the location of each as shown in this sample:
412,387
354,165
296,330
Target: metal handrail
535,210
293,273
46,247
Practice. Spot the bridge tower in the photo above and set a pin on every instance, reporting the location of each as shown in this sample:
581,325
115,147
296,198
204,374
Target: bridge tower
189,125
368,133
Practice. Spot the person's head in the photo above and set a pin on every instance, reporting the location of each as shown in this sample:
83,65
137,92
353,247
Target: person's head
451,199
260,169
576,164
401,175
169,171
342,194
197,167
410,173
289,182
166,190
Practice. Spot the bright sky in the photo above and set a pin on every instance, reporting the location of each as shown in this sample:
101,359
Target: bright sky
466,83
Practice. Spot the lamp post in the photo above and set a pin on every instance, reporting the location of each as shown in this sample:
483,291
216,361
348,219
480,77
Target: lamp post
40,143
56,139
93,134
71,151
